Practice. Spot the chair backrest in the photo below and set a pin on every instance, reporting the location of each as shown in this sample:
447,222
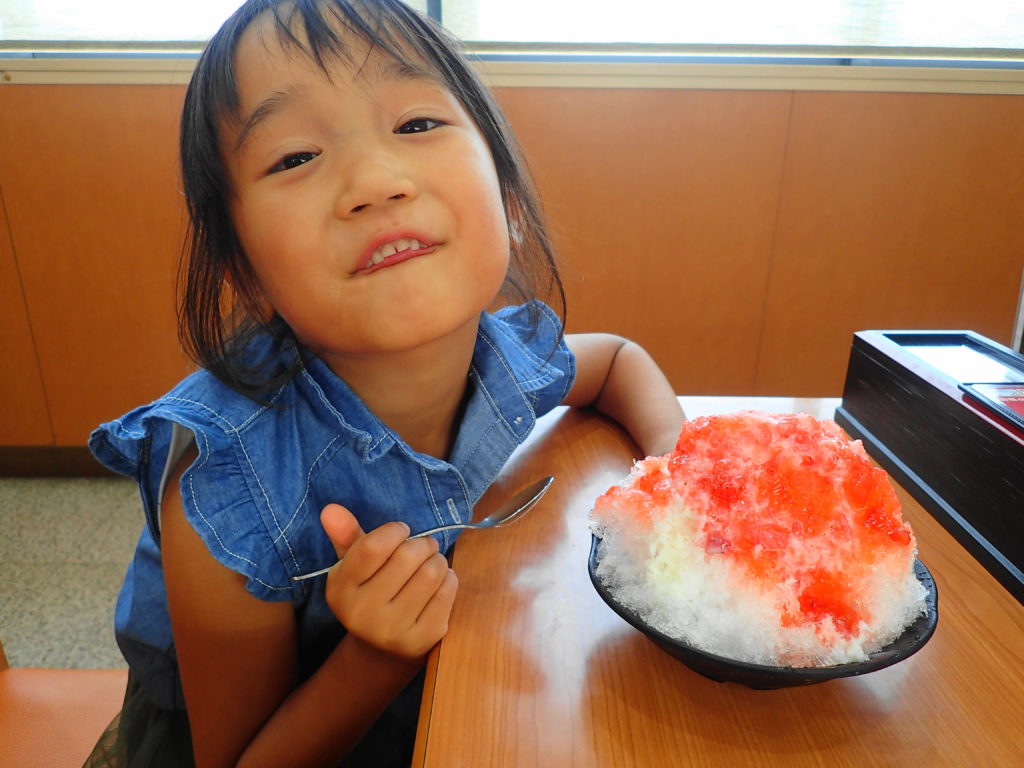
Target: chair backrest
52,717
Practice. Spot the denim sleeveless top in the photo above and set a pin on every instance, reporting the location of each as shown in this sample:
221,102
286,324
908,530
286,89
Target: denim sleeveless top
264,472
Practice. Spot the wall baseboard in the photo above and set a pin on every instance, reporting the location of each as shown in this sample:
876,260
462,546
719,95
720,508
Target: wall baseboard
50,461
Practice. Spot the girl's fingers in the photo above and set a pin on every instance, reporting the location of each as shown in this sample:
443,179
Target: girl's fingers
433,619
392,593
420,587
417,619
402,566
372,551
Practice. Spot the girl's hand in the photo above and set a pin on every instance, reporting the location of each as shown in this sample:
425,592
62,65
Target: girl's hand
392,594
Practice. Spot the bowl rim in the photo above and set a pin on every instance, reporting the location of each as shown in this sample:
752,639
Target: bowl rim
919,632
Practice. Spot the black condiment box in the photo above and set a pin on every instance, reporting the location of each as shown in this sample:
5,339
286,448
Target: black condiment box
943,413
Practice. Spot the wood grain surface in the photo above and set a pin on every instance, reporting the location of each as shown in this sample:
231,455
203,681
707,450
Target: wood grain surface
26,420
96,221
740,236
662,205
537,671
874,210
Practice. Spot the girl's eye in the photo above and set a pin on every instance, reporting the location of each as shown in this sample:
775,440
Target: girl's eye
293,161
419,125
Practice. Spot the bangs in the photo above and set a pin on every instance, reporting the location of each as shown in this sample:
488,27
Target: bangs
324,33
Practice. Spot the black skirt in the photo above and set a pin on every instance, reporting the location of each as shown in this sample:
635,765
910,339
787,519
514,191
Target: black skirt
144,735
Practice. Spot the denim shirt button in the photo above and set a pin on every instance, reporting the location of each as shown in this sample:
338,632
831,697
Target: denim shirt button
518,420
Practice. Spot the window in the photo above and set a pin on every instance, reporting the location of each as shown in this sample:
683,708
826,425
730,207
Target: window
115,21
983,29
958,24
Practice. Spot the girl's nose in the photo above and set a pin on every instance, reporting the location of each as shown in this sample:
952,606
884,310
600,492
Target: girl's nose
373,182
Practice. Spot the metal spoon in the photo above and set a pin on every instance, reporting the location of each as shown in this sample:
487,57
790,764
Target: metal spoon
511,510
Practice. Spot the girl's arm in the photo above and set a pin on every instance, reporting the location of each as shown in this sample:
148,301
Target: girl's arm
618,378
237,654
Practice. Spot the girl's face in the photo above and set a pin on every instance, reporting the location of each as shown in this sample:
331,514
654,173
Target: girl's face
367,203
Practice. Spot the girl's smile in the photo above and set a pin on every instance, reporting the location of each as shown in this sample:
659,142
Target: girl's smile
389,249
365,199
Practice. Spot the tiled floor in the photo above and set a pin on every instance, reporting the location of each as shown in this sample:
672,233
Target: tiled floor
64,547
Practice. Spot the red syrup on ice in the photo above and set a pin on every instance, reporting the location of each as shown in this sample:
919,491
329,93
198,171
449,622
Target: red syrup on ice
788,499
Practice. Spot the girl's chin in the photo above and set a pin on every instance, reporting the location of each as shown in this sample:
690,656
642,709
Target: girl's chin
425,334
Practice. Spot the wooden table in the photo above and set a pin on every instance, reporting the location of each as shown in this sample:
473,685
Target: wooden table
537,671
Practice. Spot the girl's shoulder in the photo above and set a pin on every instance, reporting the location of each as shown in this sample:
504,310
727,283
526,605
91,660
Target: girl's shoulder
534,321
527,340
200,402
230,491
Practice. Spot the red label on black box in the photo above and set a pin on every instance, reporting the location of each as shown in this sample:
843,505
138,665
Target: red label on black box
1006,398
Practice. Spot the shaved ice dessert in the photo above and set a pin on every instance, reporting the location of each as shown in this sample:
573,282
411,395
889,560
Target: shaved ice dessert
764,538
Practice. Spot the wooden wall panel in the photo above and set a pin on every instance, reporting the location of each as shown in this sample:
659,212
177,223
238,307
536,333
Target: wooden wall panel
898,211
90,179
742,236
24,419
662,205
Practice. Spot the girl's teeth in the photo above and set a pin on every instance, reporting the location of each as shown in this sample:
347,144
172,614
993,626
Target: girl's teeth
389,249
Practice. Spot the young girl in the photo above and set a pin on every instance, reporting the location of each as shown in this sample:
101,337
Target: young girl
356,192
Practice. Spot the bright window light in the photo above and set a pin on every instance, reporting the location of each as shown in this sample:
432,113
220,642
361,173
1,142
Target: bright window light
951,24
893,23
113,20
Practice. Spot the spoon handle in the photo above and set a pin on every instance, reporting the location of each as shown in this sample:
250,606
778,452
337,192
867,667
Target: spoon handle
427,532
322,571
513,509
431,531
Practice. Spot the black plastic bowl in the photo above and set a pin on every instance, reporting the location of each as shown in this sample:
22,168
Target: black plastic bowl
763,677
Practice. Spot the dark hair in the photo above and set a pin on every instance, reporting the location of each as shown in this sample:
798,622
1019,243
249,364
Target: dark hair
216,336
